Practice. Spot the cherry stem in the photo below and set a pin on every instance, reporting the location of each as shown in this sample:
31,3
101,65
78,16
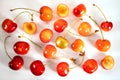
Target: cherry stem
40,46
98,26
82,54
88,35
100,11
25,9
6,48
72,27
22,13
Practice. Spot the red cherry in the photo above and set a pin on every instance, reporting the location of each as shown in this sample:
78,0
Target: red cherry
79,10
16,63
60,25
9,26
46,35
90,66
49,51
103,45
63,69
106,26
37,67
21,47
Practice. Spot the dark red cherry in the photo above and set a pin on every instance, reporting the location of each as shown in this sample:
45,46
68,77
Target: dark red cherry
106,26
9,26
16,63
21,47
37,67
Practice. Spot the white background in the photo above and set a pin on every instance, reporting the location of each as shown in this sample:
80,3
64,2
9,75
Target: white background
110,8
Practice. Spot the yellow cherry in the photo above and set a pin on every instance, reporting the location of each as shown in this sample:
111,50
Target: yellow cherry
61,42
29,27
62,10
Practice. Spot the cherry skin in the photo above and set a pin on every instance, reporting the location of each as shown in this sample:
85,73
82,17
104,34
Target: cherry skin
103,45
108,62
84,29
37,68
46,13
9,26
77,45
46,35
62,69
60,25
29,27
90,66
49,51
79,10
61,42
62,10
16,63
21,47
106,26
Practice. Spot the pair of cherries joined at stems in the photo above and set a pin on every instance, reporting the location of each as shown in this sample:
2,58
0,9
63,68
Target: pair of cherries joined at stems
37,67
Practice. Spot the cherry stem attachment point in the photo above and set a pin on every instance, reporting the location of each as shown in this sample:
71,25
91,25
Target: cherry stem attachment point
24,9
5,47
31,41
100,11
98,27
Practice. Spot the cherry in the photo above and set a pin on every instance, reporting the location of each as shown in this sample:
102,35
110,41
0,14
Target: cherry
37,67
49,51
101,44
29,27
79,10
60,25
105,25
62,10
108,62
90,66
61,42
9,26
21,47
46,35
62,69
16,62
77,45
46,13
84,29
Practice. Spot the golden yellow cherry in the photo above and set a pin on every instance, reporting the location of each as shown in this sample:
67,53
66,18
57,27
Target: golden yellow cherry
61,42
62,10
29,27
107,62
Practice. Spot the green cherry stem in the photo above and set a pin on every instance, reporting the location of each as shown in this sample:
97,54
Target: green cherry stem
5,47
22,13
24,9
98,27
100,11
40,46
